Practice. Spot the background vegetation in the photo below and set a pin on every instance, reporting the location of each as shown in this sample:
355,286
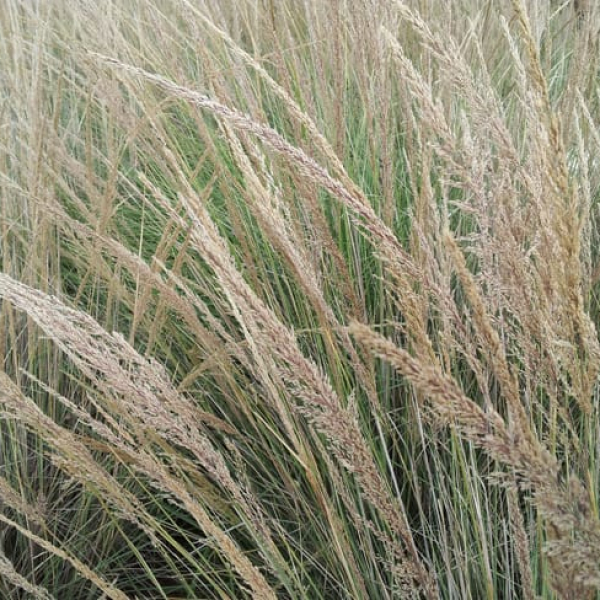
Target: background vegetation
299,300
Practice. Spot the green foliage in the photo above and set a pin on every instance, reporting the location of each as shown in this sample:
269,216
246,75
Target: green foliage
299,300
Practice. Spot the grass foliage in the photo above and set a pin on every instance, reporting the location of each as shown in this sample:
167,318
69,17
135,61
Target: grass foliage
299,300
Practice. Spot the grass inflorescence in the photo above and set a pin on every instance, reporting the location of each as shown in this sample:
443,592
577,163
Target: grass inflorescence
299,300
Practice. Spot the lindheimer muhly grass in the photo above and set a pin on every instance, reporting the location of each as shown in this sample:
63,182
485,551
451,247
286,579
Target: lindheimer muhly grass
299,300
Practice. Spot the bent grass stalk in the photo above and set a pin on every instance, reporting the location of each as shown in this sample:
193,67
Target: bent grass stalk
299,300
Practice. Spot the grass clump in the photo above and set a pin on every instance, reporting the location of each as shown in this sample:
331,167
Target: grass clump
299,300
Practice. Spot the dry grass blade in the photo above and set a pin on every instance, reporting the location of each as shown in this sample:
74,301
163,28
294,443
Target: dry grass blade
299,299
566,507
11,576
90,348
